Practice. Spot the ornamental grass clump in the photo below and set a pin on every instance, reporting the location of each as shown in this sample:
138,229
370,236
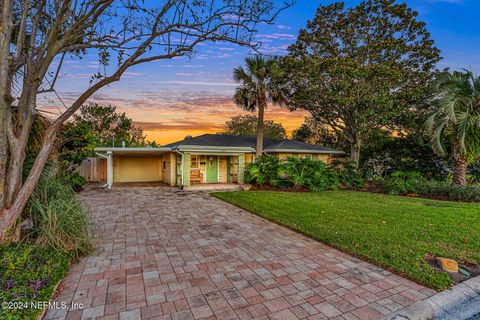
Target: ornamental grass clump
59,219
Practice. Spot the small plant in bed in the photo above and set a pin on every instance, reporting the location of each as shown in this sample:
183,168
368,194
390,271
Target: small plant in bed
29,273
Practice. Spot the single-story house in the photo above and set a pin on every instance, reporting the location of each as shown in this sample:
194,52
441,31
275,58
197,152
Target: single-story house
209,158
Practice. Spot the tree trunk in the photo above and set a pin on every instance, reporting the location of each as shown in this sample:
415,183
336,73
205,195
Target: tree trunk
18,143
355,148
260,128
8,216
14,173
3,143
6,27
460,167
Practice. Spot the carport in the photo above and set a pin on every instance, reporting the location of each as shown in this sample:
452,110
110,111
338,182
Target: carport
136,164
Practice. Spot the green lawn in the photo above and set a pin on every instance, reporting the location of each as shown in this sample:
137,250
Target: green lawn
389,231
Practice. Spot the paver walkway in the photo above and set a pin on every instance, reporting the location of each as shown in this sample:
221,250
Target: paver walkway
167,254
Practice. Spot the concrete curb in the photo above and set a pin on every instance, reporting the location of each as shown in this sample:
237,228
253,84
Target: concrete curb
459,302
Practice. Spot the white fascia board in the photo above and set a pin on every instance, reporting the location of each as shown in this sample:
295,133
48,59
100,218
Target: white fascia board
129,149
195,148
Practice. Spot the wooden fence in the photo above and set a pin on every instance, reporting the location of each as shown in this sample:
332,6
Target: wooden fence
93,169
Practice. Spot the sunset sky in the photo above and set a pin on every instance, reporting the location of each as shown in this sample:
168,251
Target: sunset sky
191,96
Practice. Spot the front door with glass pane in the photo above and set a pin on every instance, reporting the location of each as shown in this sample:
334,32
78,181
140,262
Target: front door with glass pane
212,169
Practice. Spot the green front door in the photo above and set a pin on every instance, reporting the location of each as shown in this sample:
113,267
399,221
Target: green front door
212,169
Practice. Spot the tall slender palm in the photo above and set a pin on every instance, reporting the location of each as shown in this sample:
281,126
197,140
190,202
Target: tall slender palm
258,88
456,120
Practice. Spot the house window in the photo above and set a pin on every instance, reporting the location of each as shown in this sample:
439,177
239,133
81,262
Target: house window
194,162
164,165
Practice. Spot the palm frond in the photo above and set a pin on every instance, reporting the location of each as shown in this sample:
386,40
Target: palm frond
457,113
256,83
437,139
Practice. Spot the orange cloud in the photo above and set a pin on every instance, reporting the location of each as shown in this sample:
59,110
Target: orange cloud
169,113
170,129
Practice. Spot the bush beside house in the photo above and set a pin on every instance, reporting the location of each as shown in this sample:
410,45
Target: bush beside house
293,174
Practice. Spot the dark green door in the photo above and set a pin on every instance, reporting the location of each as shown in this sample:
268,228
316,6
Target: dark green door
212,169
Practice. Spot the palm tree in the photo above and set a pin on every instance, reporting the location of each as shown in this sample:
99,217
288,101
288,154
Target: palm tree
455,122
258,88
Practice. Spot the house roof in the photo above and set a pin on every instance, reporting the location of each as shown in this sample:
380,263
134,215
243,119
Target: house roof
216,140
233,141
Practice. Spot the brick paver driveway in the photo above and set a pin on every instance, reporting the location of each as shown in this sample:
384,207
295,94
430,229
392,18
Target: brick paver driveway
167,254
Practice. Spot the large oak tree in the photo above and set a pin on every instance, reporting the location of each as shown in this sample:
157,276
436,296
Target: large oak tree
37,35
361,68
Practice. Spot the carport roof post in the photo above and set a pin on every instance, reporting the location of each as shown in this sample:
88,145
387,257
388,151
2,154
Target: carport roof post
108,156
186,169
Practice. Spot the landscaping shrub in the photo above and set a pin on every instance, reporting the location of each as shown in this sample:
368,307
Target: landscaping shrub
292,173
76,181
305,173
384,154
401,182
58,217
414,183
348,174
474,171
29,273
447,190
263,171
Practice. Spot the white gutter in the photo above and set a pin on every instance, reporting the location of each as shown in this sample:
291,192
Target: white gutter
141,149
214,149
109,169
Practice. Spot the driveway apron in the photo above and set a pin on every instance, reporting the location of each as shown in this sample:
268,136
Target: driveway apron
162,253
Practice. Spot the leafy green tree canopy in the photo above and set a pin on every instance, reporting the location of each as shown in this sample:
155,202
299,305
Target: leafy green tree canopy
313,132
360,68
108,126
76,142
246,125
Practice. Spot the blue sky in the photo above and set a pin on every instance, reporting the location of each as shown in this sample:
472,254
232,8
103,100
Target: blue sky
173,98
